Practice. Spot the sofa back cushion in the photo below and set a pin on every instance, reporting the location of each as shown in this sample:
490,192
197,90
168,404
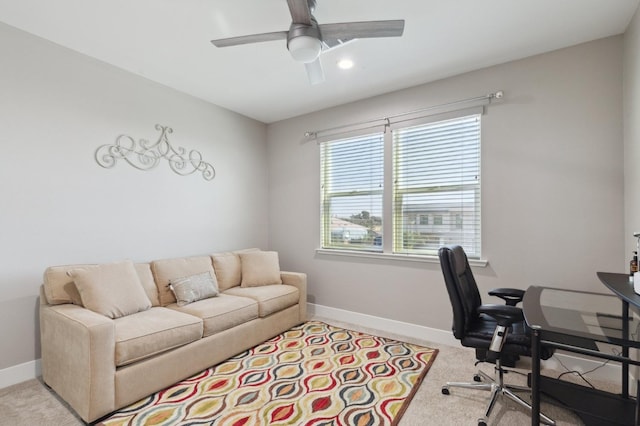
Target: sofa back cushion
59,287
228,267
149,285
167,269
111,289
260,268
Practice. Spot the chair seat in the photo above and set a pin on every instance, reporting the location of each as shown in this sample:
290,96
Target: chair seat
481,331
518,341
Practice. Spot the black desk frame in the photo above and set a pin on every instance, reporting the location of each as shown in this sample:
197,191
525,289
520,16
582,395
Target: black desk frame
598,405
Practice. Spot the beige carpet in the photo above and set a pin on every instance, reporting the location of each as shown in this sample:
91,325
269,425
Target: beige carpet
31,403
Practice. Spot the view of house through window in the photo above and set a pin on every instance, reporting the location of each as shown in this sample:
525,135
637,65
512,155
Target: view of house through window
435,176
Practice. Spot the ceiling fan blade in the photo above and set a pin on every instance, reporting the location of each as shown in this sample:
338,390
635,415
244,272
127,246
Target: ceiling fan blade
331,43
300,13
254,38
314,72
350,30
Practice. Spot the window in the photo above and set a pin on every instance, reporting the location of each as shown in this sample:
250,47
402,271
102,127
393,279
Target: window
437,171
352,189
433,171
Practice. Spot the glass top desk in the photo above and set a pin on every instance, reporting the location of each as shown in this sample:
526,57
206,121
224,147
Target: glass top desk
594,324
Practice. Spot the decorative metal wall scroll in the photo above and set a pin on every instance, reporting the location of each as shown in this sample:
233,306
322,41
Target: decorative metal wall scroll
145,155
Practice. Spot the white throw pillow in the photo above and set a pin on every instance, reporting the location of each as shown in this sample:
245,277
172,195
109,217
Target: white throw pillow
193,288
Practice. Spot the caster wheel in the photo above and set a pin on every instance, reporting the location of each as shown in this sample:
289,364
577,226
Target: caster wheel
482,423
445,391
477,378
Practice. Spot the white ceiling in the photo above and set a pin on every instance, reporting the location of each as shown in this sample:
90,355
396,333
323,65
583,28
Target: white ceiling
168,41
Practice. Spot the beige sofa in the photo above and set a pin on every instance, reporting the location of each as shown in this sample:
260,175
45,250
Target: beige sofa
110,337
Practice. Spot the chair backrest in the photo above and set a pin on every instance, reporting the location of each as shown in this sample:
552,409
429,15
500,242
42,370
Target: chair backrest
461,286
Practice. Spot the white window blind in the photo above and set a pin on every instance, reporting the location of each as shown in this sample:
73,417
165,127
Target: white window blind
352,192
436,189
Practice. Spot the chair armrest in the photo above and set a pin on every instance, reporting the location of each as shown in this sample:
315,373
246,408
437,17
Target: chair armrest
511,296
505,315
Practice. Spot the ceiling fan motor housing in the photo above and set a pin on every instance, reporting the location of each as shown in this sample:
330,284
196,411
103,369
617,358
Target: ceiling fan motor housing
304,42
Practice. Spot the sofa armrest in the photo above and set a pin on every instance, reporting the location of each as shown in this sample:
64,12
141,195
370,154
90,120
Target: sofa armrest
298,280
78,358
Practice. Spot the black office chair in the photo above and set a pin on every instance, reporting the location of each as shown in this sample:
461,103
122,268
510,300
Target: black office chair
497,332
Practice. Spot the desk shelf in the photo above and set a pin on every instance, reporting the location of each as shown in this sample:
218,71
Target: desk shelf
593,406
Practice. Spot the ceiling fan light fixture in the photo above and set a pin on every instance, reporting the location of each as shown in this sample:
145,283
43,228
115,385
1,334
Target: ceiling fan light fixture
305,48
345,64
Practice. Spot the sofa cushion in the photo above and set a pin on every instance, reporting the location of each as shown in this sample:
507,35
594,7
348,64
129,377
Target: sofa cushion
220,313
260,268
149,285
111,289
270,298
193,288
228,267
59,286
166,269
151,332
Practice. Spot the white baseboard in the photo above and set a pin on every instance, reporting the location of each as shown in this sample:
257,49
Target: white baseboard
19,373
390,326
609,372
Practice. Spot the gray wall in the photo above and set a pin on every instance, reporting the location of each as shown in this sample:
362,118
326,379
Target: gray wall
552,179
59,207
552,186
632,132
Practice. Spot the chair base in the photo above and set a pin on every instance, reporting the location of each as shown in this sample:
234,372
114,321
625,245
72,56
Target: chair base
497,387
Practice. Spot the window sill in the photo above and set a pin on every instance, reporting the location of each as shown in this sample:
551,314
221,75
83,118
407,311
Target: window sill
482,263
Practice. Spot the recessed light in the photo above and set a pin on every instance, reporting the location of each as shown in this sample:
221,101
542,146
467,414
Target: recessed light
345,64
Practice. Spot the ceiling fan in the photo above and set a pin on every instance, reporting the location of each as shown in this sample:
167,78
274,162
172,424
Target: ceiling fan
306,39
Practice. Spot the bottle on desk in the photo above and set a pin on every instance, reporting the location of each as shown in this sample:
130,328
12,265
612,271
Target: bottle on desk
635,273
633,265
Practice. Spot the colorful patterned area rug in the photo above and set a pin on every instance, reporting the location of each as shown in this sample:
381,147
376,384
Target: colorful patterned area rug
314,375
